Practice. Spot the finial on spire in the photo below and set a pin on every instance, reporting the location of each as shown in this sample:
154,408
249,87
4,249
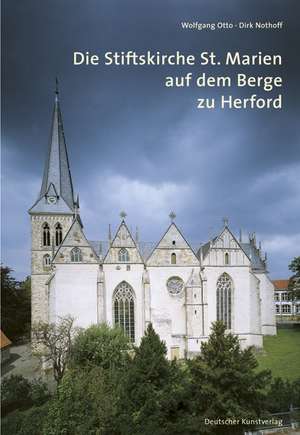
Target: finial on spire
241,236
109,234
225,221
56,90
137,235
123,215
172,216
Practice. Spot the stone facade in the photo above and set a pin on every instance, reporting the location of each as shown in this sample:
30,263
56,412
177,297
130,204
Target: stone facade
180,290
40,272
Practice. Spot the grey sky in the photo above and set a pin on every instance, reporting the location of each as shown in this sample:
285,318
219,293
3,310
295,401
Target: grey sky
137,146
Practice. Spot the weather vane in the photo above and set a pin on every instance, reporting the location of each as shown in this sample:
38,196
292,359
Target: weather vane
172,216
123,214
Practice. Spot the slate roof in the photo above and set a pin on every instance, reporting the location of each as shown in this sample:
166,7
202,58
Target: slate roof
253,254
145,248
57,175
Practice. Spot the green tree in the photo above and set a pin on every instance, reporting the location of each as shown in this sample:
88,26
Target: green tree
148,374
86,403
280,395
20,393
225,383
15,305
294,282
29,422
53,342
294,266
100,345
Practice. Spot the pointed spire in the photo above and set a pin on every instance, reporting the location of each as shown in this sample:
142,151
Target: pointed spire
57,169
240,236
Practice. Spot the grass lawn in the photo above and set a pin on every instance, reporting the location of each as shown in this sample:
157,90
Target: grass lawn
281,354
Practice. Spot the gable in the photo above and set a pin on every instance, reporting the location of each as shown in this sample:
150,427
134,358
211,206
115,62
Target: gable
172,242
226,240
123,240
225,245
75,238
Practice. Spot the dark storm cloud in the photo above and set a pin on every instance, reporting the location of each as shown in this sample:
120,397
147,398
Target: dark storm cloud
134,144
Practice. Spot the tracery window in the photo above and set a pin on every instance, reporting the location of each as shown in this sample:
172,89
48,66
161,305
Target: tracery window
173,258
175,285
224,299
46,261
76,255
46,234
58,234
123,303
123,255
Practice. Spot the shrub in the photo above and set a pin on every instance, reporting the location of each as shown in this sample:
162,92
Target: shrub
20,393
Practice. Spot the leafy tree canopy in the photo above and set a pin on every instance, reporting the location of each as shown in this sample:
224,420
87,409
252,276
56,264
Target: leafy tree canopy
15,305
101,346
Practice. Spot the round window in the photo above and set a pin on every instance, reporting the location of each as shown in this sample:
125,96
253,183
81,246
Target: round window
175,285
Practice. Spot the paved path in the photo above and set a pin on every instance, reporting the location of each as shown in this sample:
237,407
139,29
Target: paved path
22,362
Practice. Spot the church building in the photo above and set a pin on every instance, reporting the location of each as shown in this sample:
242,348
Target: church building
123,281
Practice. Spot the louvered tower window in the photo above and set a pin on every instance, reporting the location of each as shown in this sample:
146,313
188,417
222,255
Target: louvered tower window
46,261
123,303
46,234
58,234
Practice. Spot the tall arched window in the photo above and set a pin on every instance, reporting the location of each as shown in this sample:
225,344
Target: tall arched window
76,255
123,303
46,261
58,234
123,255
226,258
173,258
224,299
46,234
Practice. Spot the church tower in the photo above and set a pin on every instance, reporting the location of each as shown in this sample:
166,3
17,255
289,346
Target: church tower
51,215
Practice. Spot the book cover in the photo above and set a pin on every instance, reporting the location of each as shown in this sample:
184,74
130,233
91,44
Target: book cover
150,216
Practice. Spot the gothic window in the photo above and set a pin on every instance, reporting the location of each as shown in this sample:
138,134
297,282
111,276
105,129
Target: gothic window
175,285
226,258
123,255
224,299
46,261
123,303
58,234
76,255
173,258
46,234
